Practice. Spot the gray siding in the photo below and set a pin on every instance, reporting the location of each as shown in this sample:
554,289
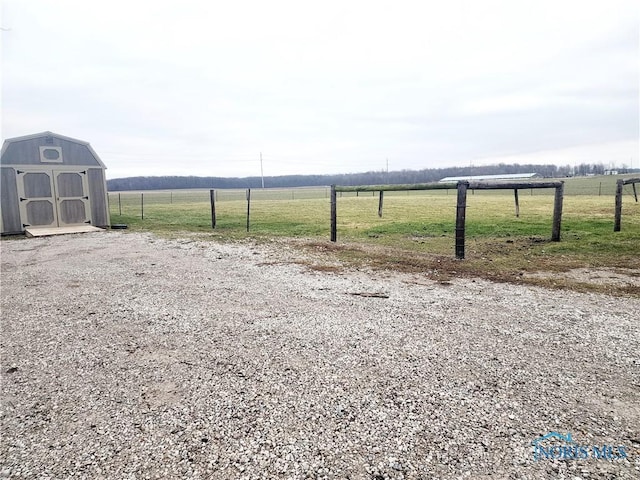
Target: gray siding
98,194
24,155
27,152
10,210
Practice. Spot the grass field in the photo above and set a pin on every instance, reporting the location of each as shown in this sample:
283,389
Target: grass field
416,231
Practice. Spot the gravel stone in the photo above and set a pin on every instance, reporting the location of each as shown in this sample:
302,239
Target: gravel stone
127,356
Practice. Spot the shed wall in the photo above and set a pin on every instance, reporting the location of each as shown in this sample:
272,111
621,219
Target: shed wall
10,209
98,194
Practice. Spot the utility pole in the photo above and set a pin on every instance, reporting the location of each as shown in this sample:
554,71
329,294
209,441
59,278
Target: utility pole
261,171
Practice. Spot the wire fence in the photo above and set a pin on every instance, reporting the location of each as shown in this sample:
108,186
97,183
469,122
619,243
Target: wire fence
129,199
304,211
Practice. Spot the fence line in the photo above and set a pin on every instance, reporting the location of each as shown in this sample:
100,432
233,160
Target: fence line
137,204
604,187
461,204
619,191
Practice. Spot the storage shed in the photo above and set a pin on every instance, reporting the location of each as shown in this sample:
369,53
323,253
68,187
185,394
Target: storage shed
50,181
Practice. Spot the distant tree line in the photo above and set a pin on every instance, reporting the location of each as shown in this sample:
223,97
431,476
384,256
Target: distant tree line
366,178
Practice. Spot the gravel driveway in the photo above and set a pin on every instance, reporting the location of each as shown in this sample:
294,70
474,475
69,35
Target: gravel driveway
128,356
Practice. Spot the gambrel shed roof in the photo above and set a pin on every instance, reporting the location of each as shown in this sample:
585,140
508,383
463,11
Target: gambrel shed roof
25,151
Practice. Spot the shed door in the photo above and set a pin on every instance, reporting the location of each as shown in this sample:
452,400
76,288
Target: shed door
36,195
53,198
72,198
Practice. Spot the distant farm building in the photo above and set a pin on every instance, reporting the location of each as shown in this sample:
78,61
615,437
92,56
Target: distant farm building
51,181
504,176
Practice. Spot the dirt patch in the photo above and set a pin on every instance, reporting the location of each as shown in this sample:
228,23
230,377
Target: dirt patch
599,276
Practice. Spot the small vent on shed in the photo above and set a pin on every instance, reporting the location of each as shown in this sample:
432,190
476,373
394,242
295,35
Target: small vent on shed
50,154
48,140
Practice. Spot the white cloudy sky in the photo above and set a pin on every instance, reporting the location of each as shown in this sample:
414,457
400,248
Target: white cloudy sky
202,87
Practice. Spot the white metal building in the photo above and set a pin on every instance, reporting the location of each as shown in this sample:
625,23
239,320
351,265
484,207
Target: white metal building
504,176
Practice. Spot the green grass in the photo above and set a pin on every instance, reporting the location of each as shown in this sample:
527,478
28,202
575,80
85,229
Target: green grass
416,230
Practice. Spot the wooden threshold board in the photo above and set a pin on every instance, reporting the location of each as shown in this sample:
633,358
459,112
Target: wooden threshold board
45,232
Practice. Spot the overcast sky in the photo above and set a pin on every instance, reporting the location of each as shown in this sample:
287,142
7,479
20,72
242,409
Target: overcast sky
203,87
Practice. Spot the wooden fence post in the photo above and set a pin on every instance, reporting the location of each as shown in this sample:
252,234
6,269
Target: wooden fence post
557,212
334,214
460,218
142,205
380,203
248,206
212,198
618,213
635,192
515,194
119,205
